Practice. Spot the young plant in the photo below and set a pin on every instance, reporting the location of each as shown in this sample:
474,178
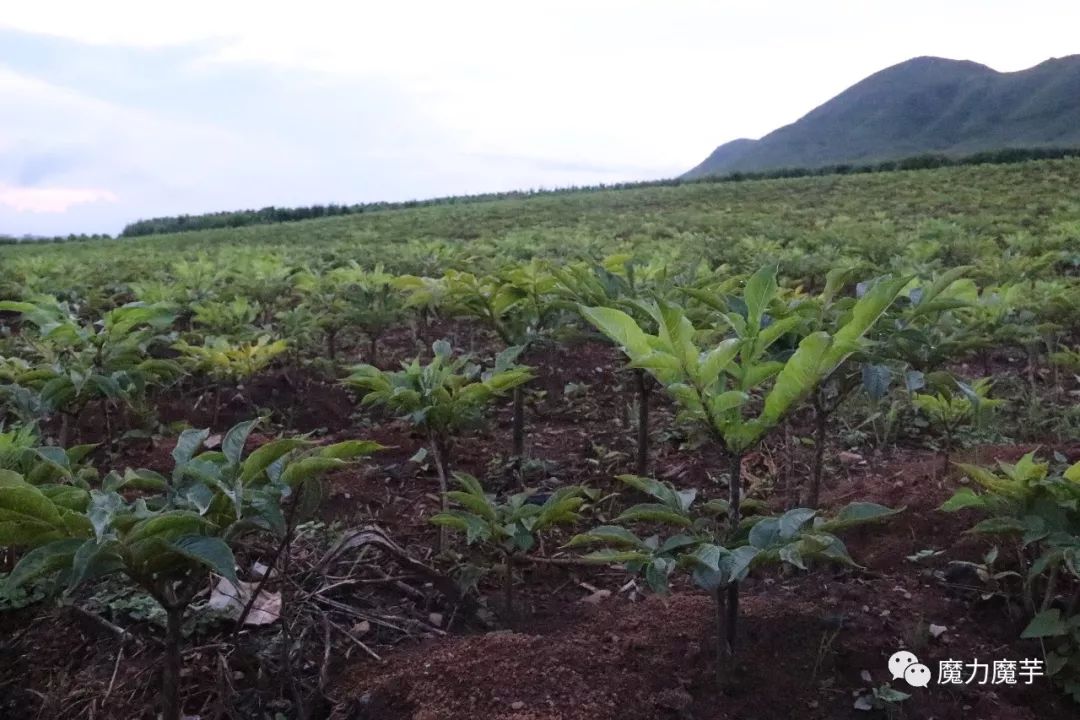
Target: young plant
440,399
954,405
601,285
108,360
1037,510
510,528
516,306
230,364
717,554
167,542
714,387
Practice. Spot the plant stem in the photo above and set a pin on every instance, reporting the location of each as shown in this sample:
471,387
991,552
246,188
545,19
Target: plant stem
821,424
286,644
643,422
723,649
1051,589
519,422
508,587
439,452
331,344
734,517
170,681
286,541
373,341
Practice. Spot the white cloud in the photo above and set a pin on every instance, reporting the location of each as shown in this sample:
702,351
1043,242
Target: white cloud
454,97
51,199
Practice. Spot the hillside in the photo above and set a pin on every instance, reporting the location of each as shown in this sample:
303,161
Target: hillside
922,105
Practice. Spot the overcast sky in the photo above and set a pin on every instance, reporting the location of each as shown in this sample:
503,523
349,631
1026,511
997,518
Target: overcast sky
114,110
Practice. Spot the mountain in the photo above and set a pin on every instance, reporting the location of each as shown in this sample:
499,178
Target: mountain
923,105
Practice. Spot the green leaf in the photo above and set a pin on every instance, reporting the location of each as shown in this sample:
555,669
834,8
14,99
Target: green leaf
93,560
662,491
620,328
962,499
233,444
765,533
211,552
714,362
857,513
474,527
801,374
658,572
616,556
608,535
187,445
309,467
266,455
654,512
742,558
759,292
791,522
103,507
350,449
864,315
21,501
67,496
45,559
1048,623
999,525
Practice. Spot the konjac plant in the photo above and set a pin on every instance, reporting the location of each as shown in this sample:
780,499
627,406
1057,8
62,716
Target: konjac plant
735,391
166,540
440,399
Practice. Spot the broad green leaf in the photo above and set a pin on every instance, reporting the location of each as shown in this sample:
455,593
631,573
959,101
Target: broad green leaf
801,374
857,513
187,445
863,316
350,449
233,444
608,535
1048,623
620,328
962,499
211,552
19,501
93,560
616,556
716,361
266,455
759,292
658,572
765,533
792,521
654,512
42,560
309,467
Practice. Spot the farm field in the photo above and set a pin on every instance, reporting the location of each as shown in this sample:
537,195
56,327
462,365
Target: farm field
705,451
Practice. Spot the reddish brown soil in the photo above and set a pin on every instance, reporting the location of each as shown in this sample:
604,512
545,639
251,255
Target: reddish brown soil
806,639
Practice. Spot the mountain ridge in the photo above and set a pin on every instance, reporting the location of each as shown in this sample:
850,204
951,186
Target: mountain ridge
923,105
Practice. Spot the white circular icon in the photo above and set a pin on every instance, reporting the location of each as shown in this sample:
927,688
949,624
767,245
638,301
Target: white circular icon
917,675
900,661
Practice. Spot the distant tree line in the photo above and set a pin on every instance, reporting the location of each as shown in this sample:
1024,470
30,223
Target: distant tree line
22,239
271,215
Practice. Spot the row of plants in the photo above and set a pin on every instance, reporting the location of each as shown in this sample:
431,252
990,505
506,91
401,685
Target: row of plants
737,357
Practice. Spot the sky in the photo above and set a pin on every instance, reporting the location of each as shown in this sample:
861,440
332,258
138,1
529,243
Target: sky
116,110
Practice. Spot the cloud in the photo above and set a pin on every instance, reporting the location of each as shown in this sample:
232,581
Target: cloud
211,105
51,199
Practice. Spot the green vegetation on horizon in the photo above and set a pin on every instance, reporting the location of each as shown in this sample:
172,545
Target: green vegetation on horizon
1002,218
